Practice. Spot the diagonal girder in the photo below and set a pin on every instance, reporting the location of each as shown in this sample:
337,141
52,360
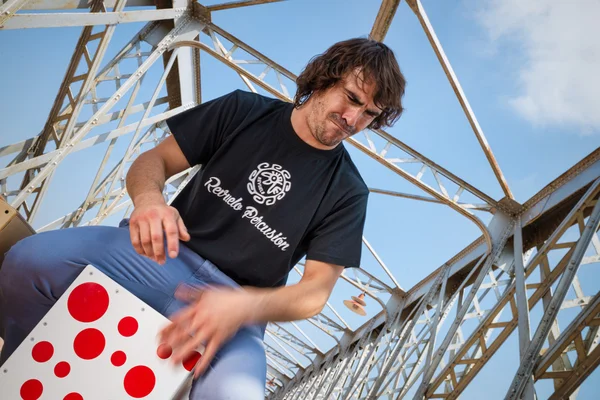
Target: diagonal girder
60,123
419,11
93,121
584,347
384,18
9,9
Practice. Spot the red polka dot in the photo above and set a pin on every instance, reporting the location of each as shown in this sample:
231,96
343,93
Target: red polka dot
190,362
89,343
31,390
42,351
88,302
139,381
128,326
164,351
118,358
73,396
62,369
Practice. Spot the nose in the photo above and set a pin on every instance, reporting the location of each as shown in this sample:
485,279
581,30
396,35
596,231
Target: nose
351,117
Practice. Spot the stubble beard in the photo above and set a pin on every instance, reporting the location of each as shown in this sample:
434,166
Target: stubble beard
318,125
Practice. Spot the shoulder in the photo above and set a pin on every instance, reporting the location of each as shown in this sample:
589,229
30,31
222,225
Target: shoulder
250,101
352,177
348,187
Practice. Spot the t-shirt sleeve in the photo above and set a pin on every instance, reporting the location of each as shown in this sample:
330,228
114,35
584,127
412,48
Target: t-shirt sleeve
201,130
338,238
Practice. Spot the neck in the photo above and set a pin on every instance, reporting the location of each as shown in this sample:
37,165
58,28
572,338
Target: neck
300,124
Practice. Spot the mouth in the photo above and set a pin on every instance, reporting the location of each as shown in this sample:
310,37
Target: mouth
340,128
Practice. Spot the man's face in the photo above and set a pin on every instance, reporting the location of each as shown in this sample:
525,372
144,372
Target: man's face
343,110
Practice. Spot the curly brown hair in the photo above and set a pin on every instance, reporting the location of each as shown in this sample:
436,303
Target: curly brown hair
374,59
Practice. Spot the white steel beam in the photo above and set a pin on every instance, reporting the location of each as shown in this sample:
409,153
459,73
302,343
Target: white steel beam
78,4
61,20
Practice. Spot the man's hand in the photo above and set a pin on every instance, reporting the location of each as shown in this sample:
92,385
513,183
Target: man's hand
213,317
148,221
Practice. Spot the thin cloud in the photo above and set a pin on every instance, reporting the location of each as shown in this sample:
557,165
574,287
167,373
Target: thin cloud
559,79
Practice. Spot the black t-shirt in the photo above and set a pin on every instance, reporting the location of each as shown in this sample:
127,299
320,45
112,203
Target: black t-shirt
264,198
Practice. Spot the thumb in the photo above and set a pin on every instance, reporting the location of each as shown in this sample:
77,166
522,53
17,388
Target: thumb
183,233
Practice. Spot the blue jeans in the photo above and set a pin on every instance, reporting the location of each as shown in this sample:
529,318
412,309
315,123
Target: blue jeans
38,270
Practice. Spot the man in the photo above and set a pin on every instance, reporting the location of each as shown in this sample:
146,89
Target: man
276,185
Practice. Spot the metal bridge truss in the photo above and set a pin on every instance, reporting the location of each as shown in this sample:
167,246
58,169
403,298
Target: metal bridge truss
429,341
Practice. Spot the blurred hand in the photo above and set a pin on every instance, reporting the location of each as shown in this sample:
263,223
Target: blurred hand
149,223
213,316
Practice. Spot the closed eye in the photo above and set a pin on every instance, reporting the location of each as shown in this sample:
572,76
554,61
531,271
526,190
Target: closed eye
354,100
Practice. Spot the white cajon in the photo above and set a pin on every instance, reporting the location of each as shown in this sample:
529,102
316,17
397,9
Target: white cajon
98,342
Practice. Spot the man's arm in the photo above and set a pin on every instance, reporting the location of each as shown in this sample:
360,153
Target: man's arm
148,173
151,216
299,301
217,313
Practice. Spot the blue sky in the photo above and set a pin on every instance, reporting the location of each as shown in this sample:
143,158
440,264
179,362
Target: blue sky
530,86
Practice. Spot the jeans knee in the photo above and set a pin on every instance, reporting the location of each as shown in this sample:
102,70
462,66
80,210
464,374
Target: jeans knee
17,257
30,269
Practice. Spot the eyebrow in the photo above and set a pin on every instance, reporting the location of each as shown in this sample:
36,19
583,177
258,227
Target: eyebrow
358,101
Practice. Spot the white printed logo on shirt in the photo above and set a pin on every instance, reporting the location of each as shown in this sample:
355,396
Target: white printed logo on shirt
269,183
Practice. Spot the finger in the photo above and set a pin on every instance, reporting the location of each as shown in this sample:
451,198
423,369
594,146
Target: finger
145,239
134,234
209,353
190,344
185,330
156,235
179,322
172,233
183,232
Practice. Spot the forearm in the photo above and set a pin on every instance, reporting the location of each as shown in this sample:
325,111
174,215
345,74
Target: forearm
288,303
146,179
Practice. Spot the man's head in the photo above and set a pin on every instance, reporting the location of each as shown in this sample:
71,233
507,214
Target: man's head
355,84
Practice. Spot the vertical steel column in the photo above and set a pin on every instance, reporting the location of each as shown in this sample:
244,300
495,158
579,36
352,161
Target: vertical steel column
522,305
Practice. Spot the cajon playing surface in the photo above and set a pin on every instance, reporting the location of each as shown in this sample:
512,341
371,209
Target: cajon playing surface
98,342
